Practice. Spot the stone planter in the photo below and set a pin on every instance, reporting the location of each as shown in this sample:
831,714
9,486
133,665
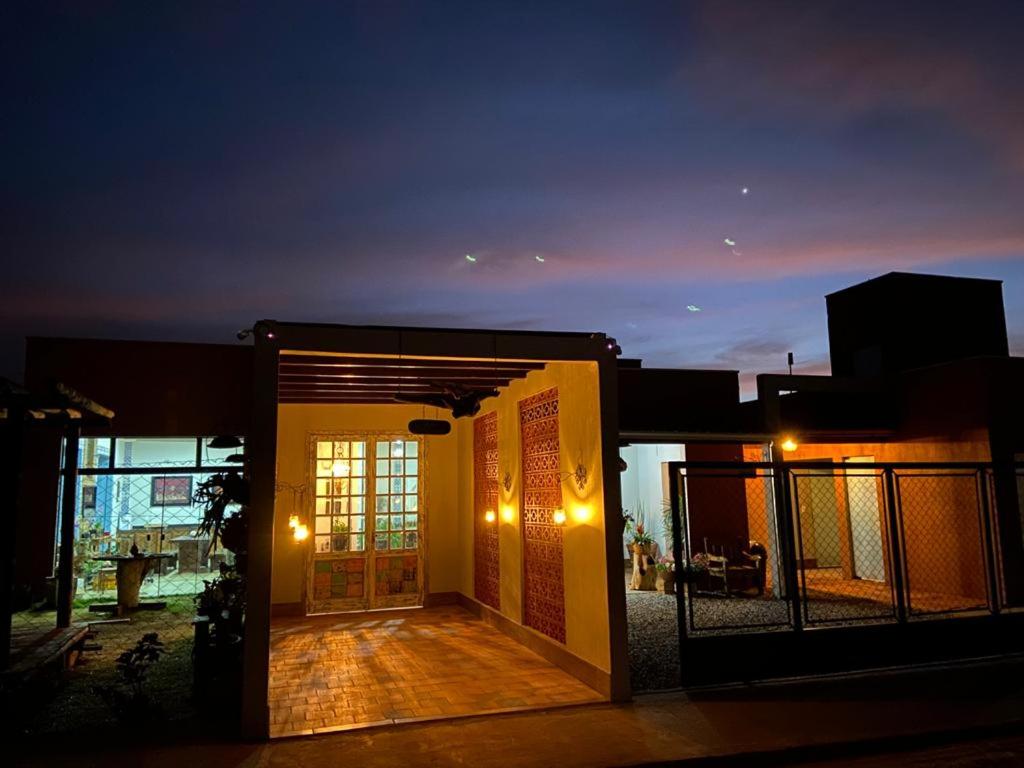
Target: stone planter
644,575
666,582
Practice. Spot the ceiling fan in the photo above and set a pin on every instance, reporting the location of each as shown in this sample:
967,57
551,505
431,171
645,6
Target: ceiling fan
462,401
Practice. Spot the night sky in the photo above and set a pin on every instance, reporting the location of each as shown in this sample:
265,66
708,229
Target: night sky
177,171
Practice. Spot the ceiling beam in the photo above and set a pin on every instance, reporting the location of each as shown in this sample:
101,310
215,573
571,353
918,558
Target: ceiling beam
406,362
439,372
470,382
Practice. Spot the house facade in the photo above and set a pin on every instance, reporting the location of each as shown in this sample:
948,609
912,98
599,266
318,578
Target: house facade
485,474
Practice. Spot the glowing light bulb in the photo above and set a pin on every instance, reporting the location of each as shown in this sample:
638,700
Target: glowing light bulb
489,516
471,258
293,521
558,516
301,532
789,444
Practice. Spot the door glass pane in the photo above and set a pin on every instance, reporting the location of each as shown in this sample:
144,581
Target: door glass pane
337,494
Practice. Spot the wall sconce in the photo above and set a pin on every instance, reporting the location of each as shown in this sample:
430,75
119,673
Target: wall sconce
789,444
507,514
558,516
300,532
579,475
490,517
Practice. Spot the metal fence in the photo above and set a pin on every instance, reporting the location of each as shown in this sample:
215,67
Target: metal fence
781,547
767,553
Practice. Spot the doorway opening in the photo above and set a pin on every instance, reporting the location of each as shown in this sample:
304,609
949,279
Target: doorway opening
367,521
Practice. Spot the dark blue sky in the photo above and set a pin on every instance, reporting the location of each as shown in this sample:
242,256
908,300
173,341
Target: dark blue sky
176,171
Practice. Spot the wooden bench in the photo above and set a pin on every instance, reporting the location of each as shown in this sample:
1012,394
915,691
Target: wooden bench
32,650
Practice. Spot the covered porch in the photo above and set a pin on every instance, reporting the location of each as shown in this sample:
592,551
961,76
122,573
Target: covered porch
439,511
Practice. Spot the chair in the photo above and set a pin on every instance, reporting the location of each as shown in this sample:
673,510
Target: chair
743,576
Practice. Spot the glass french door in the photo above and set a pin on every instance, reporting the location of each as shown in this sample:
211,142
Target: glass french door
367,543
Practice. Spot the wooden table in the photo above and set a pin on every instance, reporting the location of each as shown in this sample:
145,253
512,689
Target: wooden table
131,570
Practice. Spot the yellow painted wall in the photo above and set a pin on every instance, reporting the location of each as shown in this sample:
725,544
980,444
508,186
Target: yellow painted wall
440,501
585,564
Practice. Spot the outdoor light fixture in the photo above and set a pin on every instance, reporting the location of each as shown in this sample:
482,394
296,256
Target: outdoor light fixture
225,441
558,516
300,531
489,516
430,427
789,444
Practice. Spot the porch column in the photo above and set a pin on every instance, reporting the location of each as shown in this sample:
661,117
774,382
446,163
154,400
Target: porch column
608,380
13,437
66,562
261,448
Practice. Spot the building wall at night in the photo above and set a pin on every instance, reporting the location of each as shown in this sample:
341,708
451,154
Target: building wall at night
583,538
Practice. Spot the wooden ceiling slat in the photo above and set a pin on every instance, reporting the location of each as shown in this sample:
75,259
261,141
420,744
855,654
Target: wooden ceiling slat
406,362
401,373
354,383
481,382
341,400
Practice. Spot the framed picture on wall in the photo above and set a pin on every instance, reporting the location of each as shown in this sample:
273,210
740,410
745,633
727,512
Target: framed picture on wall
88,497
171,492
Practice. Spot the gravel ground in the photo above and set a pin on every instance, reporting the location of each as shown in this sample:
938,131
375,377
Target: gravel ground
653,629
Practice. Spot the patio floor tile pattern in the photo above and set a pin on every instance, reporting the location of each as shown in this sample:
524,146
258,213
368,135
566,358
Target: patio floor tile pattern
349,671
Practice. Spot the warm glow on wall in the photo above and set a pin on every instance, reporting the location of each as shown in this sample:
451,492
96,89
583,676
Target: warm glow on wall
507,514
558,517
489,516
789,444
581,513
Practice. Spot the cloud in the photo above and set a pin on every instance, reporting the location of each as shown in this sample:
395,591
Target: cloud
839,60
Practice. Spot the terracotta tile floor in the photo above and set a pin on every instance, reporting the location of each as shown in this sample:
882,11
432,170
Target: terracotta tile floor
356,670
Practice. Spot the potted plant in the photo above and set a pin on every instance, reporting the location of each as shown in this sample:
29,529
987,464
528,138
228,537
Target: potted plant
693,570
643,574
666,575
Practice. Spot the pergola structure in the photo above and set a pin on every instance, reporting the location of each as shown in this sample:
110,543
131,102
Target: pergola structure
22,409
305,378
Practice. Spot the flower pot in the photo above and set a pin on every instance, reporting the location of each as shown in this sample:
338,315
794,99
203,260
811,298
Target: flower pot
666,583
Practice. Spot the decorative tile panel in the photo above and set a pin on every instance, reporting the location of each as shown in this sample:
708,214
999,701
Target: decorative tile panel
544,591
486,572
338,578
396,575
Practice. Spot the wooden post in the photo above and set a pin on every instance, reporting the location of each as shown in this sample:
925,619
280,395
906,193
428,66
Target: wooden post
261,448
10,456
615,584
66,563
